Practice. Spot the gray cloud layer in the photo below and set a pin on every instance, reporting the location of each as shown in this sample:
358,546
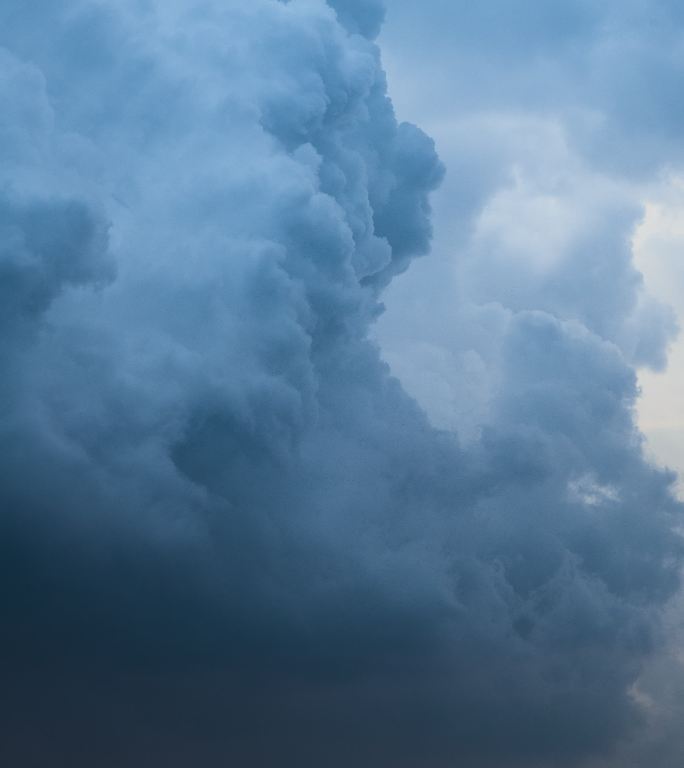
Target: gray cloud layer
228,534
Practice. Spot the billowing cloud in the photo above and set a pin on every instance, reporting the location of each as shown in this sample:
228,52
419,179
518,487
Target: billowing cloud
228,533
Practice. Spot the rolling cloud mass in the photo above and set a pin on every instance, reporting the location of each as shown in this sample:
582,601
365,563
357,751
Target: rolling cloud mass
249,518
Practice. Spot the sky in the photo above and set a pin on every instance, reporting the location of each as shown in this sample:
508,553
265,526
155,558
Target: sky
339,362
657,243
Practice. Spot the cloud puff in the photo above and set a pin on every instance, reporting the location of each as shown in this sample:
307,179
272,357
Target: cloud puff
228,533
364,16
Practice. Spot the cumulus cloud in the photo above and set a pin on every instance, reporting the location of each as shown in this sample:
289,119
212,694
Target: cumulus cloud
556,123
228,533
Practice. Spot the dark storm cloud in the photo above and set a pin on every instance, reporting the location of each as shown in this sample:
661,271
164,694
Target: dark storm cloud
228,534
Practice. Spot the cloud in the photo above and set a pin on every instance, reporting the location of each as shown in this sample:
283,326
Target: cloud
609,68
553,136
364,16
228,533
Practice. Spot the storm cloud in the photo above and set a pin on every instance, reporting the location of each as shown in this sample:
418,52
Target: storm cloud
228,534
